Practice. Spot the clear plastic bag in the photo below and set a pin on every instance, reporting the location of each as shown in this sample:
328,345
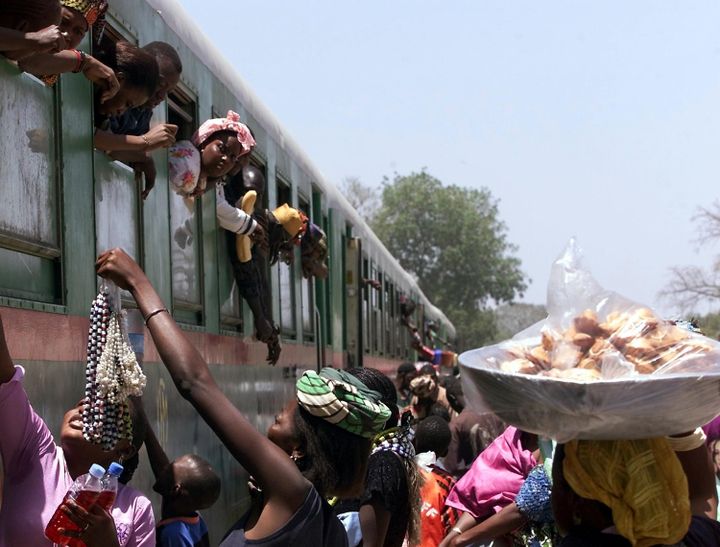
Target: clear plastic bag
599,367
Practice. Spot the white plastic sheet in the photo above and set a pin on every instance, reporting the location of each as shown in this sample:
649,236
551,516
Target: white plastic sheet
599,367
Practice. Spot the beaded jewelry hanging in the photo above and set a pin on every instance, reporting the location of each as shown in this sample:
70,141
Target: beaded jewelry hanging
112,373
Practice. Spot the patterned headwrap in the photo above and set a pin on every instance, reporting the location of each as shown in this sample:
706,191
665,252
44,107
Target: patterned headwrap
343,400
92,10
292,220
231,123
424,387
642,481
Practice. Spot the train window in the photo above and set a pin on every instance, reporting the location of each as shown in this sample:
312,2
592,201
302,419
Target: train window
185,226
367,316
376,313
30,207
307,302
182,111
387,319
327,283
285,273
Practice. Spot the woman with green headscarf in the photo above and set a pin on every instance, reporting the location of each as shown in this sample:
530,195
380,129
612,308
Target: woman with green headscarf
326,429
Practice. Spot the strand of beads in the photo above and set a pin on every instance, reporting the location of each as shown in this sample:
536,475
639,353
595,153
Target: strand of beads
112,374
97,332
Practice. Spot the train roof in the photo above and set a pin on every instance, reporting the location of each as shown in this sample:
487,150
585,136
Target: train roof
175,16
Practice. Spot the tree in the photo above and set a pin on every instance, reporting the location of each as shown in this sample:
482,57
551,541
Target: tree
364,199
691,286
453,241
513,318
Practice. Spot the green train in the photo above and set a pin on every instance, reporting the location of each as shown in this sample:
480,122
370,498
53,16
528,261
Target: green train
62,202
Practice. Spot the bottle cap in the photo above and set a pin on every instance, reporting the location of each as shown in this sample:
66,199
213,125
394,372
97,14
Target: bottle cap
115,469
97,471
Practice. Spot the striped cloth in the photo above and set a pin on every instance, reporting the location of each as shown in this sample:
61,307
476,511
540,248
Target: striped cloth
343,400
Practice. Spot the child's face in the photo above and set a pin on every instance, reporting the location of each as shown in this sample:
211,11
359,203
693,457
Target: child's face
74,25
219,154
169,79
128,97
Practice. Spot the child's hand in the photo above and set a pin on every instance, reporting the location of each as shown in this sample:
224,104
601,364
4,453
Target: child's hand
97,527
102,75
160,136
47,40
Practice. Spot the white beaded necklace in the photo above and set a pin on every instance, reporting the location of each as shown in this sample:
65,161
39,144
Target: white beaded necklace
112,374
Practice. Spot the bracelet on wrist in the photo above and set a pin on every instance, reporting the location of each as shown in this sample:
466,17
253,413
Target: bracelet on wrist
457,530
153,314
81,60
146,141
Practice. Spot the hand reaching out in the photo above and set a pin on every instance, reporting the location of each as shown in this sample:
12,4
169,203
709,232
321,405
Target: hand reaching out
103,76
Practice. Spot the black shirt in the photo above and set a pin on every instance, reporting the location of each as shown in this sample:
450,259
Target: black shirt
312,525
387,484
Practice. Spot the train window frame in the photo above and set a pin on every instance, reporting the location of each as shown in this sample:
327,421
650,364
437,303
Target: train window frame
307,288
366,308
288,330
48,277
182,109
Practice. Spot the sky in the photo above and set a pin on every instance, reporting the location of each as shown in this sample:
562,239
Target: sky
599,120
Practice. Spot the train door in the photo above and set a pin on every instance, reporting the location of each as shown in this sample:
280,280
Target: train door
353,302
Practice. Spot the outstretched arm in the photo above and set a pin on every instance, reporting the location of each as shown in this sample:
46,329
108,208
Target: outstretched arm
698,467
281,481
498,525
7,369
47,39
156,454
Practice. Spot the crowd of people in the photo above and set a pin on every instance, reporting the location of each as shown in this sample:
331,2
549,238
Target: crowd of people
353,458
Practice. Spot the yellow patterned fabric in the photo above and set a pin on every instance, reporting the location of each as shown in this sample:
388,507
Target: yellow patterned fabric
642,481
291,219
91,9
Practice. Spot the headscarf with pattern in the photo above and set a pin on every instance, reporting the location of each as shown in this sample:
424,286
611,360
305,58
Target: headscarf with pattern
642,481
92,10
343,400
231,122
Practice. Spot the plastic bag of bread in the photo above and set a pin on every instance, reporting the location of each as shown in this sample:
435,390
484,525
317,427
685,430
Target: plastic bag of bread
599,367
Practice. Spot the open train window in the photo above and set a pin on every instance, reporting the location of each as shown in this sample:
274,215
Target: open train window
307,299
185,225
366,314
286,273
182,111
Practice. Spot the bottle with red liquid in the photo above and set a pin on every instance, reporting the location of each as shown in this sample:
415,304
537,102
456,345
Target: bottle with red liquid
84,491
107,496
106,499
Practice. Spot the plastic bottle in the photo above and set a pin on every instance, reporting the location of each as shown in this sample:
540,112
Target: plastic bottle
84,491
106,499
110,486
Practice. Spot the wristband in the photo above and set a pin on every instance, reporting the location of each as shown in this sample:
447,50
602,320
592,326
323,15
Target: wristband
81,60
457,530
146,141
690,442
153,314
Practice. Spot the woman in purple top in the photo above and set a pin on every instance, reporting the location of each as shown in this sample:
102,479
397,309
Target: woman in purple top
38,473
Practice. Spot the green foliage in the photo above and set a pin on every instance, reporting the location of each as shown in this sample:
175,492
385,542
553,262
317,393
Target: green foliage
513,318
454,242
709,324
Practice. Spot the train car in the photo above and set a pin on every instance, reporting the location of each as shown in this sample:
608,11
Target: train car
62,202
